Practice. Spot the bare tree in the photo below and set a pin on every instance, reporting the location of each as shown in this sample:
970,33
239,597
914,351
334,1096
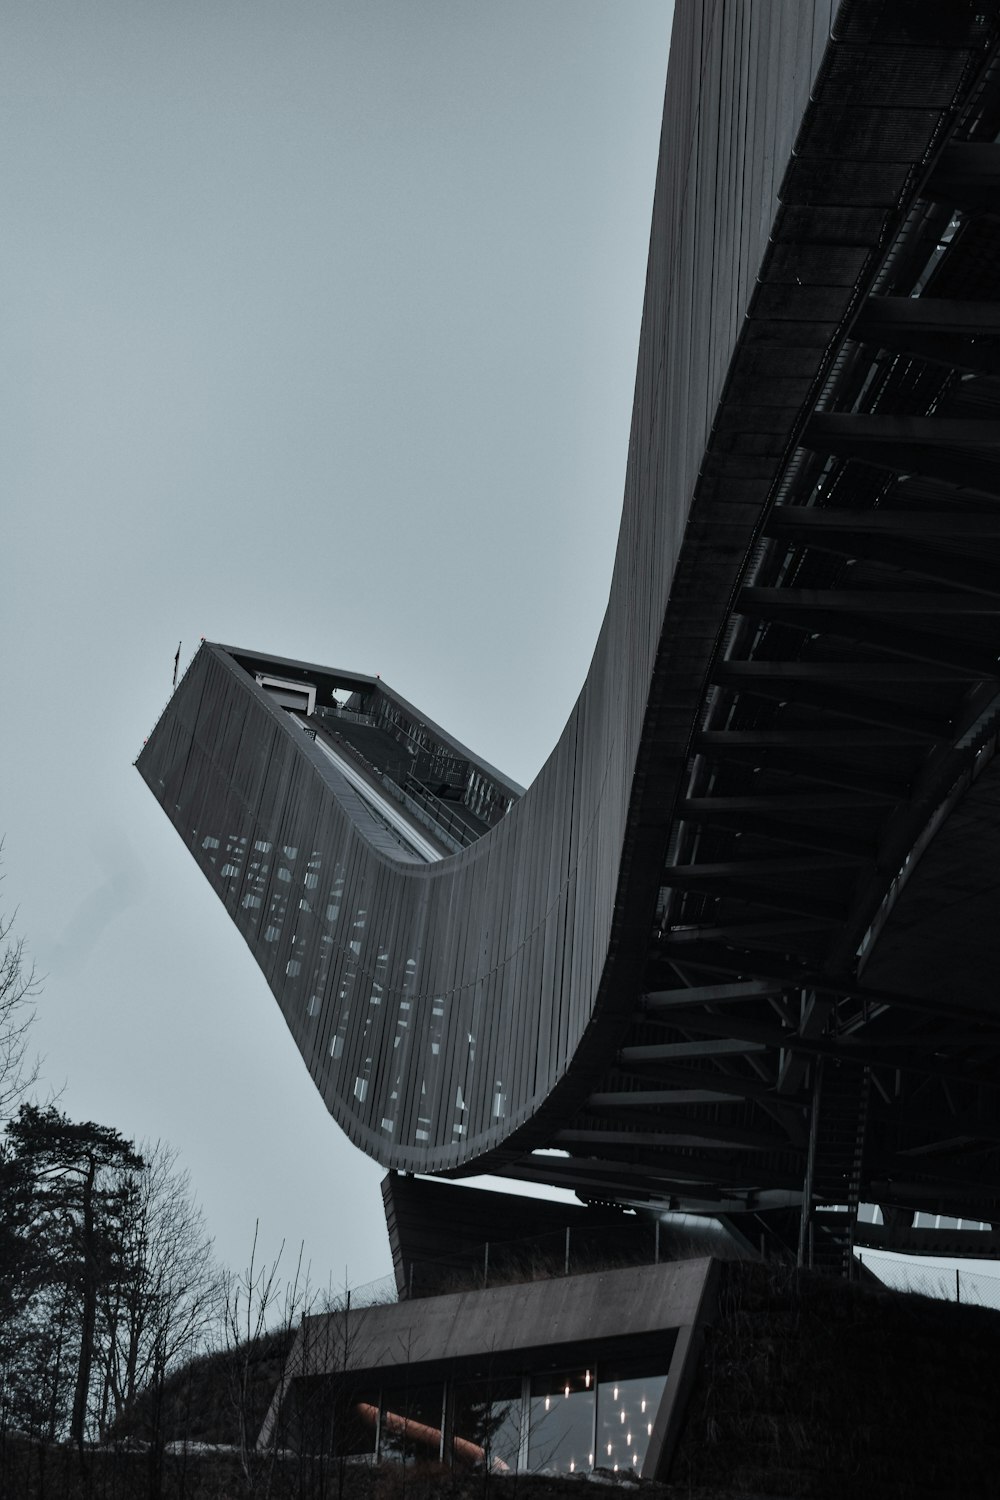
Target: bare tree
163,1307
18,1335
18,986
259,1318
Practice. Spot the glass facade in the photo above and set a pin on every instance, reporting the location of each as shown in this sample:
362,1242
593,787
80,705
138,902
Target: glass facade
486,1424
561,1418
331,1416
355,1424
628,1397
410,1420
598,1413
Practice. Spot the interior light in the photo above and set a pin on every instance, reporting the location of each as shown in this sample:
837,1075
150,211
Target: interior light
586,1380
635,1459
572,1465
649,1429
643,1404
590,1459
628,1439
615,1394
609,1450
566,1391
548,1403
623,1415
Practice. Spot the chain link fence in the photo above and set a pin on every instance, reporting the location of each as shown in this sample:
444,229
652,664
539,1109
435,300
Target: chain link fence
946,1283
371,1294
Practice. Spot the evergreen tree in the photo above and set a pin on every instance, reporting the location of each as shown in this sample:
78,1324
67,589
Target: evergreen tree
63,1229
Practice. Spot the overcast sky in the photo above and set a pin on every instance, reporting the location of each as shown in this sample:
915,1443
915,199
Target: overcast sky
321,325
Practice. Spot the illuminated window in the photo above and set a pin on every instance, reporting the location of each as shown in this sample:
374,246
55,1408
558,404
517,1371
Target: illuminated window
628,1396
561,1418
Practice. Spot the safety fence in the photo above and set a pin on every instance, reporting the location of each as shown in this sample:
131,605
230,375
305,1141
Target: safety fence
946,1283
572,1251
568,1251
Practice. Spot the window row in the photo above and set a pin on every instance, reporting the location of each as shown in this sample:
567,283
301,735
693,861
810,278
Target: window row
572,1420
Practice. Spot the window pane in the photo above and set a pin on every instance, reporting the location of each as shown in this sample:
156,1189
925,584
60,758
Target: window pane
486,1424
561,1436
627,1401
411,1422
355,1421
330,1416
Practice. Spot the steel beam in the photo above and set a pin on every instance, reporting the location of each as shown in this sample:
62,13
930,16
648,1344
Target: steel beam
798,901
865,673
718,1089
966,173
874,789
879,712
803,741
754,869
880,631
921,605
794,835
711,994
961,451
928,315
654,1052
974,433
690,1133
971,568
806,522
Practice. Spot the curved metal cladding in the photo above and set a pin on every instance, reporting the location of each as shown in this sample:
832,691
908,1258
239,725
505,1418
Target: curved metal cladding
450,1012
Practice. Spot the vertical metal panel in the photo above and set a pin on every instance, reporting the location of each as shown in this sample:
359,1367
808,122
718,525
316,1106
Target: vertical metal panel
514,955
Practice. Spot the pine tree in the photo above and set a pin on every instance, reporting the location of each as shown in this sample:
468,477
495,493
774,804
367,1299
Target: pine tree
63,1226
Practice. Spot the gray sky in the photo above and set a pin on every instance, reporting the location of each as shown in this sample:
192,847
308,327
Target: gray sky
321,324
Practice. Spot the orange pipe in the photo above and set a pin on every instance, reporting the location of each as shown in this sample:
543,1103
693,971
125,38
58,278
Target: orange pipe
429,1437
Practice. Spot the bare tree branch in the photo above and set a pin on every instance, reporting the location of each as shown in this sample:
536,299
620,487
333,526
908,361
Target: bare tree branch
18,987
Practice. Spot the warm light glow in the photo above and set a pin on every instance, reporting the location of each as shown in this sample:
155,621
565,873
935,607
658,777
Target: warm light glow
616,1468
566,1391
572,1465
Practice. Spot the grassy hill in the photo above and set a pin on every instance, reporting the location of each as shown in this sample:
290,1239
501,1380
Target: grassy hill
815,1388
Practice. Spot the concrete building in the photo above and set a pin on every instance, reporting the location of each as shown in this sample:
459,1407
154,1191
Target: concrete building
559,1376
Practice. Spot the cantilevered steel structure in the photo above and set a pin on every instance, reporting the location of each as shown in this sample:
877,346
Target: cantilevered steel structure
735,950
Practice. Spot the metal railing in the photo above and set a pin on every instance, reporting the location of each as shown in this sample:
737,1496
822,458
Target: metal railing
569,1251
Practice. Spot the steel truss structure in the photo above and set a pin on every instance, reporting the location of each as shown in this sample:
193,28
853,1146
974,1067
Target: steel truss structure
734,951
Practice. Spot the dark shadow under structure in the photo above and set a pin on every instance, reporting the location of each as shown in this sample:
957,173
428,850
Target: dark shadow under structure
734,951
